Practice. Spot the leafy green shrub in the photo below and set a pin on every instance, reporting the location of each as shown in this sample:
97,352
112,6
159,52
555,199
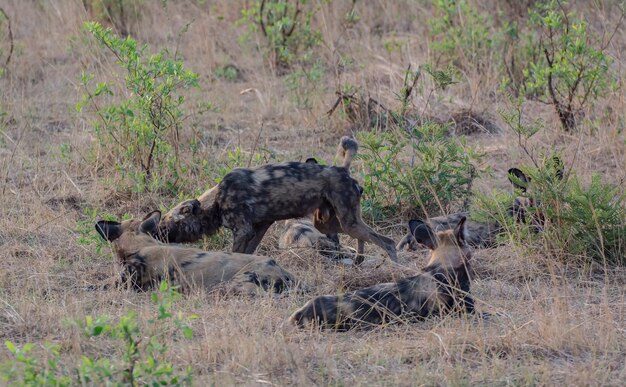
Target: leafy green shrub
286,28
587,223
584,223
141,132
420,172
462,35
565,64
140,359
227,72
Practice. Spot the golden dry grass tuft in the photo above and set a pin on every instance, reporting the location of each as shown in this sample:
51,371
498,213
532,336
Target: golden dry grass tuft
556,323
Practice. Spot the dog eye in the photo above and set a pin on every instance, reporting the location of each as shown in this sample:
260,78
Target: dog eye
185,211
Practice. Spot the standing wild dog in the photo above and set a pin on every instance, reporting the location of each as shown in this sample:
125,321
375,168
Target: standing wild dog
147,261
320,230
442,288
248,201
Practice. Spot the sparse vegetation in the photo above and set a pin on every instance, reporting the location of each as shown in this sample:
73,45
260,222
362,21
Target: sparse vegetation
416,173
140,359
141,132
286,79
567,65
285,25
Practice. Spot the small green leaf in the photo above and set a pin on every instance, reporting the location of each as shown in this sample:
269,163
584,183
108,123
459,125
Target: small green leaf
10,346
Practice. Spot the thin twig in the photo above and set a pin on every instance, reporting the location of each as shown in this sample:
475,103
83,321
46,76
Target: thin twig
11,45
256,142
6,175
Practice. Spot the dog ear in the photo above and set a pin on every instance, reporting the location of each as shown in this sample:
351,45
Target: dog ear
150,222
459,231
109,230
423,233
190,207
518,179
311,160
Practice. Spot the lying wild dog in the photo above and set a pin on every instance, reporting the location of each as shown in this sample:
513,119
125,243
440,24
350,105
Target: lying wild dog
476,234
301,233
442,288
147,261
248,201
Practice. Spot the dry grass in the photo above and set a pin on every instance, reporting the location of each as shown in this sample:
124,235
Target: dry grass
557,324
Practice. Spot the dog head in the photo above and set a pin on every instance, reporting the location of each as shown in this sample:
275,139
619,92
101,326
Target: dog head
190,220
128,238
448,248
526,204
130,235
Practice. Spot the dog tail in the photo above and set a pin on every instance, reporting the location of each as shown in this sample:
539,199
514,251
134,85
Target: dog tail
347,149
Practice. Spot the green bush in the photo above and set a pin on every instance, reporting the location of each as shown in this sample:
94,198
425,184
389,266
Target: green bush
565,65
6,33
142,131
140,357
461,35
417,172
577,223
286,27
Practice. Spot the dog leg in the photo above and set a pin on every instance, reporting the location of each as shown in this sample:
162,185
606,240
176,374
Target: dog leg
360,247
354,226
259,232
242,236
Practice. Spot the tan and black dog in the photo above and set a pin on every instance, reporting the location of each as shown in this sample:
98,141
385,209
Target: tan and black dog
248,201
300,233
477,234
442,288
147,261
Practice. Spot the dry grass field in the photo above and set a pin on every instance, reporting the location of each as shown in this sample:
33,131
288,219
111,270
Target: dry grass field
558,322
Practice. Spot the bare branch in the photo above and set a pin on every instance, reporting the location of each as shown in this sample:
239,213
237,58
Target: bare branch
261,22
11,43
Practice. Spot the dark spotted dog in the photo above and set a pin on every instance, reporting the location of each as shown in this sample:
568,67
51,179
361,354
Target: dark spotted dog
147,261
248,201
442,288
322,232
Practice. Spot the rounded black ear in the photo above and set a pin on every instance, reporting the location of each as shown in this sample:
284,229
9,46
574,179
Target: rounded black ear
109,230
423,233
311,160
150,222
459,231
190,207
518,179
